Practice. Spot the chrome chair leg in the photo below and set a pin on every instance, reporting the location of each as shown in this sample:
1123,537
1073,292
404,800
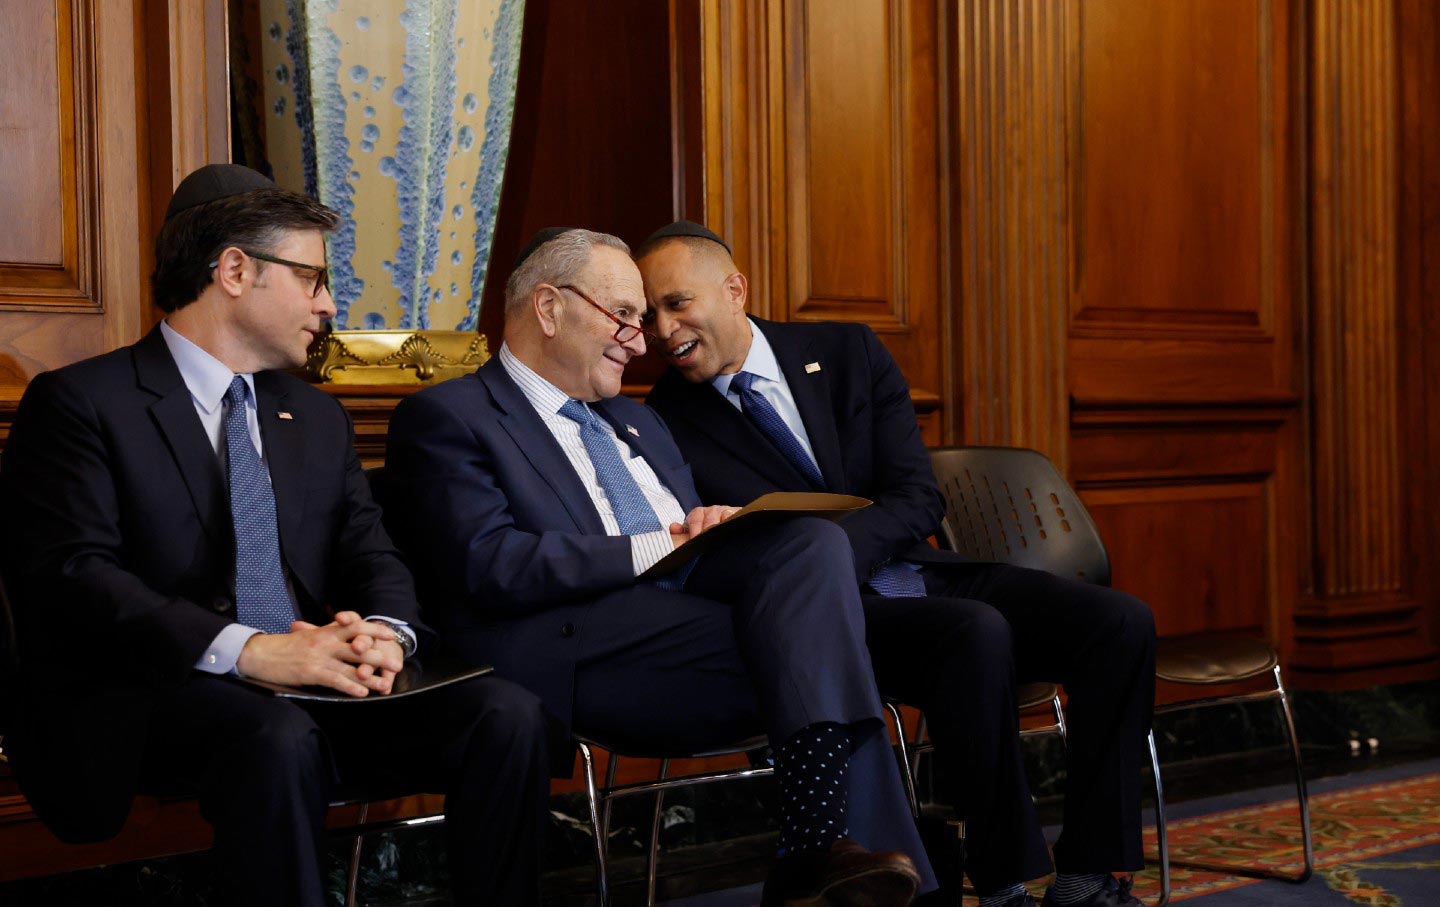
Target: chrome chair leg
602,888
611,765
1301,794
906,772
1161,840
352,878
652,861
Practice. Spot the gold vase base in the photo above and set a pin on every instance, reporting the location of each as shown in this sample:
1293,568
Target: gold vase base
394,357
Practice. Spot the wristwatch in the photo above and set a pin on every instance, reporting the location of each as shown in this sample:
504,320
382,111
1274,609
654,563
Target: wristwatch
404,636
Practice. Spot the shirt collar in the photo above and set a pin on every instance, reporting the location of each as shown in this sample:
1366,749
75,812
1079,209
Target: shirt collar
207,378
544,396
760,362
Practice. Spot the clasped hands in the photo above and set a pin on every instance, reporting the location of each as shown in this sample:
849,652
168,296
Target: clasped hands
348,654
698,520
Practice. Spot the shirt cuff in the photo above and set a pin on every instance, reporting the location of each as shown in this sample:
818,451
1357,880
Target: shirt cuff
647,548
224,650
399,626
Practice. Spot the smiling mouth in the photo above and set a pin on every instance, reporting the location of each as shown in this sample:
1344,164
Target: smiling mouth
683,351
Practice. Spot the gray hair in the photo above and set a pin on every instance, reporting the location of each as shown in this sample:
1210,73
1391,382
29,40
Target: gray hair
556,262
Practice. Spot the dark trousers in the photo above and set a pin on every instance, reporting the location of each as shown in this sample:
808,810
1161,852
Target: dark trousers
265,769
767,636
958,654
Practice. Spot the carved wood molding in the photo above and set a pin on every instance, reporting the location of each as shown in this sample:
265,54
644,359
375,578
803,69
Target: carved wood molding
71,284
1011,237
1354,316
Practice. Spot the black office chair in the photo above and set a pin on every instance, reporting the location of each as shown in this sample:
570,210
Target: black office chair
1012,506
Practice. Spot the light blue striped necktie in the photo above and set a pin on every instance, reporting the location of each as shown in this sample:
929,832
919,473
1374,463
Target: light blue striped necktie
260,597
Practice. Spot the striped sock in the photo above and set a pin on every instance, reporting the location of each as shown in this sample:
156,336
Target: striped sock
1074,888
1003,896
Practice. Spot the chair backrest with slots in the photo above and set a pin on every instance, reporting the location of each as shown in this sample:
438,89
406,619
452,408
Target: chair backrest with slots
1011,505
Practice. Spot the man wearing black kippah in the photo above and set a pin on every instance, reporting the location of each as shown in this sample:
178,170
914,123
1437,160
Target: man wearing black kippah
180,514
535,499
756,407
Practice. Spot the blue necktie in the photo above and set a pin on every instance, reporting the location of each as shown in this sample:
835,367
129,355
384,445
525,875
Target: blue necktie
260,597
754,405
632,511
889,580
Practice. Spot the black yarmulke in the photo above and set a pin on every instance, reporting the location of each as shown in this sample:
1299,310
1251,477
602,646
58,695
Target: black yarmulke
538,240
685,228
215,181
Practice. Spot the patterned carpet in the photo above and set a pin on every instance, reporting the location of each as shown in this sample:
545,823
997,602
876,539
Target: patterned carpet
1375,844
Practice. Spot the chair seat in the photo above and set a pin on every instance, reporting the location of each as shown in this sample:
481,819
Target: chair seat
1207,661
1034,695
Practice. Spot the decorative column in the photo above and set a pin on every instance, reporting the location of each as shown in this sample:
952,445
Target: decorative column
1358,611
1010,243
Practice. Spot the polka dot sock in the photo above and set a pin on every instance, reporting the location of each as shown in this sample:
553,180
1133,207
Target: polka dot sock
811,769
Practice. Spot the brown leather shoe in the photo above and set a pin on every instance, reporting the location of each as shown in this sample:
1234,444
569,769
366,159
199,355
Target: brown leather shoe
847,875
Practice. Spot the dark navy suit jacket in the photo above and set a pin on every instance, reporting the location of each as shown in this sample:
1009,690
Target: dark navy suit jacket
507,546
119,558
857,411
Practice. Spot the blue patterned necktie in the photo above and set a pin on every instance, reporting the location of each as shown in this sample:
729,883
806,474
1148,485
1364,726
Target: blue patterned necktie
765,418
889,580
260,597
632,511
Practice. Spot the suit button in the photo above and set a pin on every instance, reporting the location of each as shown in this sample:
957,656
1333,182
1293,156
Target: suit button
567,631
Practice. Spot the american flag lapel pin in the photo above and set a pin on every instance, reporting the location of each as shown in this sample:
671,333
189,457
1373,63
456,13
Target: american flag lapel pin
812,367
632,430
284,415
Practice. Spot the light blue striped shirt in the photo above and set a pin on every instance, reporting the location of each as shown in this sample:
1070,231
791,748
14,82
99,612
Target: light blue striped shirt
645,548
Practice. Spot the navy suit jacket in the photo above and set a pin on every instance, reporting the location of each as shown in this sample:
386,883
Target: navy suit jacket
857,411
119,559
507,546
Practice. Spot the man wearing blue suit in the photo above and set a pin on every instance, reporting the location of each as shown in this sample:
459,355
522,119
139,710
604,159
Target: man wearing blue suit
758,407
532,497
181,513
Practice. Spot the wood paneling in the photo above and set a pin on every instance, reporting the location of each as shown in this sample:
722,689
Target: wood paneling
1359,611
70,107
821,130
1012,233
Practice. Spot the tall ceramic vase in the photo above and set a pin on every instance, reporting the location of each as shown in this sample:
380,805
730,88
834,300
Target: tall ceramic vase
396,113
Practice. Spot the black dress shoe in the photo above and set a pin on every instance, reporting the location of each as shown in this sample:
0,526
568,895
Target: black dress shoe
846,875
1112,893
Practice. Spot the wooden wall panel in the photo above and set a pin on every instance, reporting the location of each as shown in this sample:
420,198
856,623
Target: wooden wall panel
71,269
1183,176
821,132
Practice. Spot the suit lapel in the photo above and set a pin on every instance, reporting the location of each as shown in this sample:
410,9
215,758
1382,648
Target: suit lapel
174,414
539,446
286,456
712,415
645,445
812,398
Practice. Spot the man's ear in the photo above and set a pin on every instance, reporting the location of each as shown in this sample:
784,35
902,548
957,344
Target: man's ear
230,275
737,290
545,301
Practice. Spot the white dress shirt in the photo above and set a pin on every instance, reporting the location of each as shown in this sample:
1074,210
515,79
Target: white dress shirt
646,548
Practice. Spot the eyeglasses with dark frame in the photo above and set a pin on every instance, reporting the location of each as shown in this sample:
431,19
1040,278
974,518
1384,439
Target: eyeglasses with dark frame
322,272
626,332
